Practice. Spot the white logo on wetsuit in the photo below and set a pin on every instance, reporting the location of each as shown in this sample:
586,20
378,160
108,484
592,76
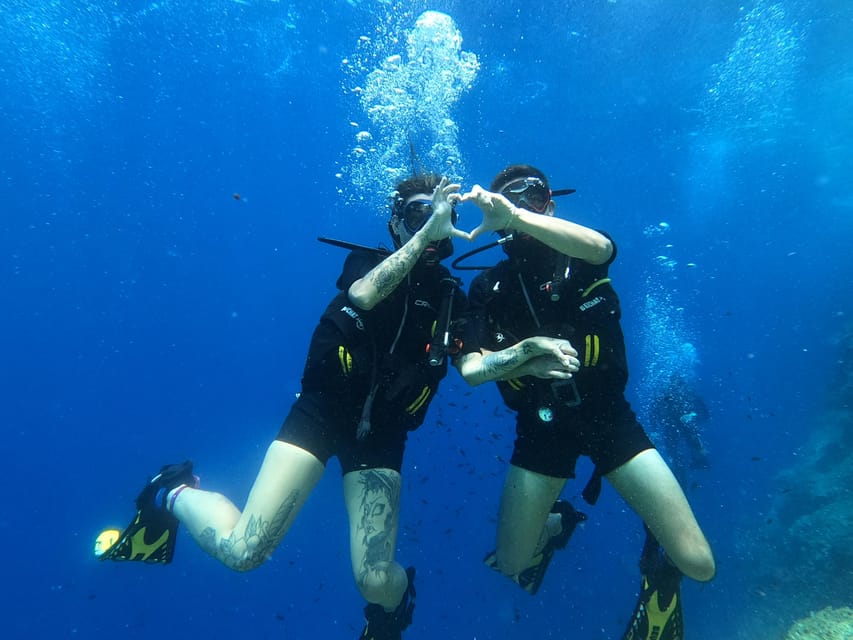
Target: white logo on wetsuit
424,303
359,323
589,305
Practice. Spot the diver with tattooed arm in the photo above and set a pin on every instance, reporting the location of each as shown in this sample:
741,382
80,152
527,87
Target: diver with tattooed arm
555,283
368,381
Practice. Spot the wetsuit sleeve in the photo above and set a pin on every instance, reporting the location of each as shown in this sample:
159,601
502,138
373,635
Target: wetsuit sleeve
357,264
460,305
458,323
613,242
474,326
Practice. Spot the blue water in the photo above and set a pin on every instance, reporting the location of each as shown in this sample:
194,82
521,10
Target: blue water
166,168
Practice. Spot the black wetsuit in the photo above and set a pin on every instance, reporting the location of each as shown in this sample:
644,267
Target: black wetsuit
557,421
354,352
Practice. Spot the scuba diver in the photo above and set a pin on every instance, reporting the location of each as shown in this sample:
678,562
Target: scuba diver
679,414
373,367
554,284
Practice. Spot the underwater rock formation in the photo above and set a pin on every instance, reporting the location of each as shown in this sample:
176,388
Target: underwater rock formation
814,517
827,624
802,559
816,513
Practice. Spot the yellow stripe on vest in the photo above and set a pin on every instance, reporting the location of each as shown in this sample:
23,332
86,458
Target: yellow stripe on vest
346,360
595,284
592,350
419,401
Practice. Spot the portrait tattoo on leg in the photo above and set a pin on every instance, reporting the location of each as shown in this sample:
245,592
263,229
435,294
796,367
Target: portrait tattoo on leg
380,498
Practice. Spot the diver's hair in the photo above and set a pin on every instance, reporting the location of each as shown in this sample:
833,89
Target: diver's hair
421,183
514,172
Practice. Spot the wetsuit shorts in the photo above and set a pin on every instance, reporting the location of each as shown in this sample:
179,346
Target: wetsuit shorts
325,426
606,430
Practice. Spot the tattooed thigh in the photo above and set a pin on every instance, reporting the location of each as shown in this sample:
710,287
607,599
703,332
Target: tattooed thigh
376,527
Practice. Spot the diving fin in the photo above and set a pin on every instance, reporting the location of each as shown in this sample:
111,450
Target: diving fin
657,615
150,536
530,579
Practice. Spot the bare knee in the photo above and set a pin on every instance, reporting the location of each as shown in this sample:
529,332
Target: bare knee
383,584
242,565
509,564
703,568
696,562
242,555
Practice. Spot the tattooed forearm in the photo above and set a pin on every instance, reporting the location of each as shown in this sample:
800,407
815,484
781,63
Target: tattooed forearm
386,276
516,361
249,546
500,363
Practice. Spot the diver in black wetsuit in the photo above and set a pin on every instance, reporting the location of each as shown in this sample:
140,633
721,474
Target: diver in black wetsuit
368,381
679,413
555,285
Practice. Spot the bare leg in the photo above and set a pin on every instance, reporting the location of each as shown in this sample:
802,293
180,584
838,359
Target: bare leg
373,503
243,541
650,488
525,505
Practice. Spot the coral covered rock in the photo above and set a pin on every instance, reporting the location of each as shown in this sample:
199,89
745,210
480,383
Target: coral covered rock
827,624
